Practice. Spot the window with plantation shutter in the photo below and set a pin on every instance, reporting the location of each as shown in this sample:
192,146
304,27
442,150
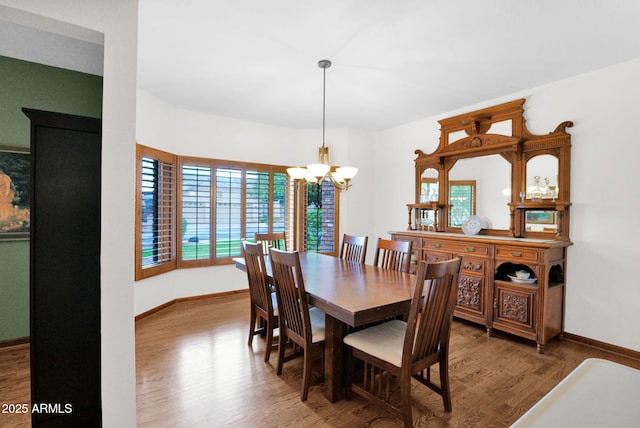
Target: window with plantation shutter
229,209
251,199
195,219
258,201
279,204
155,219
195,212
320,218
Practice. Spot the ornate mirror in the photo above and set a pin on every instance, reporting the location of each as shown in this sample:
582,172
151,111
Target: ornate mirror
476,187
541,186
488,164
429,189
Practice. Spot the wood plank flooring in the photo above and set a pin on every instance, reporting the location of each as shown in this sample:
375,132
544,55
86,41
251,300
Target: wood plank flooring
194,369
15,385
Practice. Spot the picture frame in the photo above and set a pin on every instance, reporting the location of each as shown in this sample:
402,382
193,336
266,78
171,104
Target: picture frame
541,217
15,205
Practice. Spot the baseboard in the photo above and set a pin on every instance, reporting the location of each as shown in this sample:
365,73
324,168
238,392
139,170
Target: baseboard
603,346
16,341
187,299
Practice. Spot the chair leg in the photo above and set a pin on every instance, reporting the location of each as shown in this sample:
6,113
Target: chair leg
306,374
252,325
444,384
282,342
267,354
405,404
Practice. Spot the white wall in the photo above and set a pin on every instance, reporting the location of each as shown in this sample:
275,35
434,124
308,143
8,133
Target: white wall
118,20
202,135
602,285
601,288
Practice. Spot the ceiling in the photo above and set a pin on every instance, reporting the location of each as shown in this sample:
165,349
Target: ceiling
394,61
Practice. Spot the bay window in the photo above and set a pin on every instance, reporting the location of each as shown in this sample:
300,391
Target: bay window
194,212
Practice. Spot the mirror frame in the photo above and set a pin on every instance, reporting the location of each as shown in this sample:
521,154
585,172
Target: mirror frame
517,149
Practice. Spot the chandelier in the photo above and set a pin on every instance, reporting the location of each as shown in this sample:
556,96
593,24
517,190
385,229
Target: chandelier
315,173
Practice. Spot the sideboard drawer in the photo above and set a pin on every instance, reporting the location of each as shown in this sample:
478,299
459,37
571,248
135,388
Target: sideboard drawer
464,248
473,265
435,256
434,244
517,253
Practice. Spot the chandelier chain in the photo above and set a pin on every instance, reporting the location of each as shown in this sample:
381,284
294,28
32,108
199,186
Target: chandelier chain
324,91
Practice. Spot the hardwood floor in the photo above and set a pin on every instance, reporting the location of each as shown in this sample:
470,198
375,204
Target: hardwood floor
194,369
15,385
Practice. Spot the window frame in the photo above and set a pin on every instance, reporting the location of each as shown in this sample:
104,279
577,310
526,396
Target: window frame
336,217
294,210
171,264
198,162
244,167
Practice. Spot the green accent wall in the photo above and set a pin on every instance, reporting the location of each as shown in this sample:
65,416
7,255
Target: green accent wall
36,86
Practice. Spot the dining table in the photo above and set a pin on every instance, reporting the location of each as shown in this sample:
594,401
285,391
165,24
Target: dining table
351,295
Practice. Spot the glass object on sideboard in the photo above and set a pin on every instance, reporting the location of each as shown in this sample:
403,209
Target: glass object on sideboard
536,191
540,166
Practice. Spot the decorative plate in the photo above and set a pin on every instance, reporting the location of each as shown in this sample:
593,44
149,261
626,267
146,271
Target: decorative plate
472,225
522,280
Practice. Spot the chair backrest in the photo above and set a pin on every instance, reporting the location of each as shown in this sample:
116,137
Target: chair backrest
293,308
354,248
431,313
257,276
395,255
272,240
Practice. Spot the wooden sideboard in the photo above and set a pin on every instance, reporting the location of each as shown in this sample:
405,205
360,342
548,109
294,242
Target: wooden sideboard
486,293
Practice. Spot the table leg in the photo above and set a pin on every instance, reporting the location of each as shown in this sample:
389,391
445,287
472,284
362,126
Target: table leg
333,358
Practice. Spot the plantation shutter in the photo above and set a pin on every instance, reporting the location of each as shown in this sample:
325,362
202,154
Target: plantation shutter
257,203
155,217
320,218
228,211
196,212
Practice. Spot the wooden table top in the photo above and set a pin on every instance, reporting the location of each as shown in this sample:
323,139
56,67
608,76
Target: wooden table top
353,293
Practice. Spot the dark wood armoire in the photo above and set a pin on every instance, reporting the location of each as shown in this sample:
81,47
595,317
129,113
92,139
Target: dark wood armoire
65,269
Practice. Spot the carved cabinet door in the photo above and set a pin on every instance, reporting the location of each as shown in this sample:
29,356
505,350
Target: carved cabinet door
472,292
514,308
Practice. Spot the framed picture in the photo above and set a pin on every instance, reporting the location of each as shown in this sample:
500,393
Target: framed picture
14,193
541,217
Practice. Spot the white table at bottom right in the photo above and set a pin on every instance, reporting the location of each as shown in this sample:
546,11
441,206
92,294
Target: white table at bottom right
598,393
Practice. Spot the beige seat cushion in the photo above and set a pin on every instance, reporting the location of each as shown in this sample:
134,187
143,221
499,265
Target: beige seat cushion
383,341
317,325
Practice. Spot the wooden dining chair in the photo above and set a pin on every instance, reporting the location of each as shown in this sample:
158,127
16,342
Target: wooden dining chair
300,324
395,255
401,351
264,308
354,248
272,240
